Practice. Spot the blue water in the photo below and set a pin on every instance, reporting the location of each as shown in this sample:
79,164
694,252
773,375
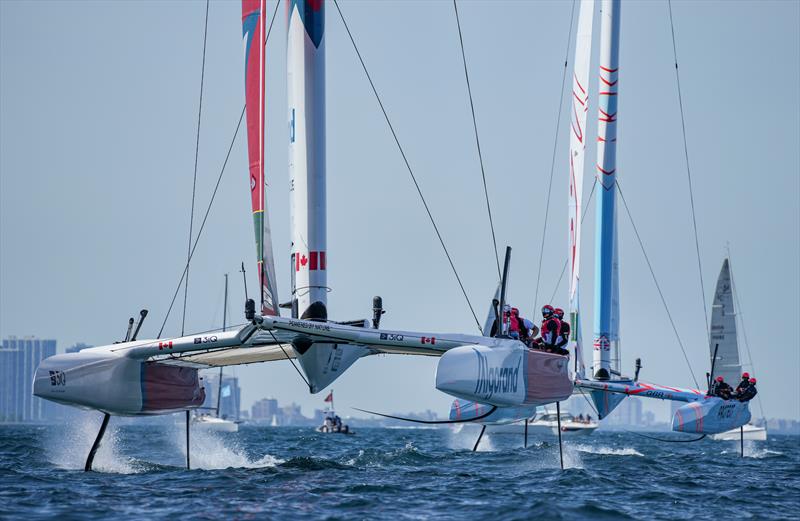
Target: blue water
290,473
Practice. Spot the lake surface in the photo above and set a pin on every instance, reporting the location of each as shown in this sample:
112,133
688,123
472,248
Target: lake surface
290,473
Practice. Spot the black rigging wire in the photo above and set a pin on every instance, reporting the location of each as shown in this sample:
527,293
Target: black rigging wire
194,178
289,359
408,165
477,141
688,170
553,160
213,195
658,287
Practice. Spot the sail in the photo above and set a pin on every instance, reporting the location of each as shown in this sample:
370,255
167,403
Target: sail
577,151
608,83
254,19
723,330
613,332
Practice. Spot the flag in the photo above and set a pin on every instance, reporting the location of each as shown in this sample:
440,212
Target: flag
329,398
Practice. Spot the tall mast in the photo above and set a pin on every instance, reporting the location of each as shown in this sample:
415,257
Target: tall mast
606,178
224,327
306,92
254,19
577,151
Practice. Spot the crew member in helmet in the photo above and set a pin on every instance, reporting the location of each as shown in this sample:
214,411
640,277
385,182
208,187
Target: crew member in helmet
512,323
722,389
551,328
749,393
743,385
564,331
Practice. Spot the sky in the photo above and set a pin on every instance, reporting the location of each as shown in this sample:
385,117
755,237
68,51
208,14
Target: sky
98,121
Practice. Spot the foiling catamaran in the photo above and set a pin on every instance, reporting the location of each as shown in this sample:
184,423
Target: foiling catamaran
495,379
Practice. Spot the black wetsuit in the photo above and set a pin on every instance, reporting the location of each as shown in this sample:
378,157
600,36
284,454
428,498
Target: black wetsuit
741,388
723,390
748,394
563,336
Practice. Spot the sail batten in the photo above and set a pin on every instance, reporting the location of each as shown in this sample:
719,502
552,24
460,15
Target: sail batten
254,20
577,152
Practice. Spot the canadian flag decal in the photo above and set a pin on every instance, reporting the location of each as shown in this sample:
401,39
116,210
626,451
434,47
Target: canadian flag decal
429,340
164,345
314,260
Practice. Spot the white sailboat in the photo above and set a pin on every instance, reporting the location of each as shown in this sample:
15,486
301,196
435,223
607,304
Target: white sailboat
215,422
724,350
546,423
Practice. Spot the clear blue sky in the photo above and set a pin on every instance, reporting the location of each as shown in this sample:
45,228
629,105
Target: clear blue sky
98,110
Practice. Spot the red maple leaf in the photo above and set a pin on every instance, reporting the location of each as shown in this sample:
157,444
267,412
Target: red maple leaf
303,260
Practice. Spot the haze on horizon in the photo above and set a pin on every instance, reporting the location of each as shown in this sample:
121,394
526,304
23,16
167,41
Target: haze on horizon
98,114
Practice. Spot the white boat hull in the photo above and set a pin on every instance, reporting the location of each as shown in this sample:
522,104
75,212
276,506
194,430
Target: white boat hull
569,429
751,433
215,425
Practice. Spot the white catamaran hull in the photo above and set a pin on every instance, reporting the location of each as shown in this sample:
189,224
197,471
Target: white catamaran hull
213,424
545,428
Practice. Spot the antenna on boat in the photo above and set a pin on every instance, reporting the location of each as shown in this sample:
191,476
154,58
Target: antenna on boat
130,328
244,278
142,316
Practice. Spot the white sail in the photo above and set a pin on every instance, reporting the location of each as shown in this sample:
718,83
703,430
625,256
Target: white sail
723,330
577,152
613,333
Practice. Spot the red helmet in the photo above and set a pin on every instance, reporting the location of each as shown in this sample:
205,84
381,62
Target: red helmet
752,380
558,312
547,310
745,375
720,379
514,311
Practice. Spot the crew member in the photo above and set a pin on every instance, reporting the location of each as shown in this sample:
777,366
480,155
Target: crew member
514,324
564,331
550,328
743,385
749,393
722,389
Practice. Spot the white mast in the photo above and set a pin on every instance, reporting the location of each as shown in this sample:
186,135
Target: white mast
305,54
577,153
306,92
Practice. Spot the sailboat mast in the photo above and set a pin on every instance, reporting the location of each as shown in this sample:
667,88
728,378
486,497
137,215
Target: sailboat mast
224,326
306,92
577,153
606,178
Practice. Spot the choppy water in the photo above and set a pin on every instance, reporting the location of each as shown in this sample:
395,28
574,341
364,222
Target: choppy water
388,473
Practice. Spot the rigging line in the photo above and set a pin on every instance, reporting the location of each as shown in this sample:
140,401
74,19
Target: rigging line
288,358
213,195
203,224
566,261
740,315
688,170
553,160
194,178
477,141
658,287
408,165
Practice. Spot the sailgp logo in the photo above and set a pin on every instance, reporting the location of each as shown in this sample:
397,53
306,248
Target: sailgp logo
493,380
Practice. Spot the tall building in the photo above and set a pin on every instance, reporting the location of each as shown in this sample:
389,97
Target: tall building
264,409
19,358
230,399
